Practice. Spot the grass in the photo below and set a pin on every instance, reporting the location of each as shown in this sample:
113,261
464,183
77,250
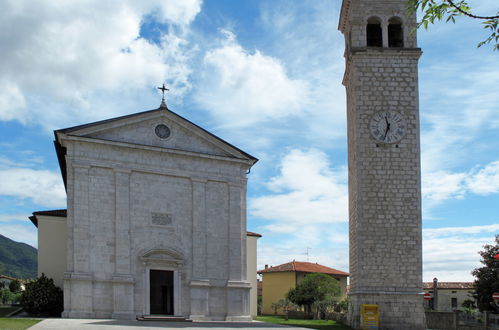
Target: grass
16,324
311,324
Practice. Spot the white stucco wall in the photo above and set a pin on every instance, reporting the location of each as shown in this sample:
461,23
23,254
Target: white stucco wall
251,248
52,243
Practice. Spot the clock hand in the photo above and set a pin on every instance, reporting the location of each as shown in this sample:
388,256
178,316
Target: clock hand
387,128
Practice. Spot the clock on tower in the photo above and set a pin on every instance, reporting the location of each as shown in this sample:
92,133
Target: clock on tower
381,80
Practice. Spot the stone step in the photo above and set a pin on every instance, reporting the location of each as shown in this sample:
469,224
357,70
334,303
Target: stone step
163,318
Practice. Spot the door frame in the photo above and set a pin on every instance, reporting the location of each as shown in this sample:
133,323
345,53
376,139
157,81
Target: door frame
176,288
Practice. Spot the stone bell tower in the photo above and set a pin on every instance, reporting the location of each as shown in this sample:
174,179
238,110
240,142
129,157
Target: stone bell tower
381,80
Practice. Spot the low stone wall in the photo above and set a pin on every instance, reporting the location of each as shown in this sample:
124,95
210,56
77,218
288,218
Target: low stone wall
459,321
440,320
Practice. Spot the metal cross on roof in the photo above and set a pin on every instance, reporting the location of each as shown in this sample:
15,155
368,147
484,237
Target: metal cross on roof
163,103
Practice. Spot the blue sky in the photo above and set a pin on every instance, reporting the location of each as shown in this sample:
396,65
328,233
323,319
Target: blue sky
265,76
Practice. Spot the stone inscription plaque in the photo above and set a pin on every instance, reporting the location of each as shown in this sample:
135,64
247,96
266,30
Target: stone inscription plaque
161,219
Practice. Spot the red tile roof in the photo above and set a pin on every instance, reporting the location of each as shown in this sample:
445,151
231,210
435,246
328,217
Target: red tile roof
303,267
250,233
449,285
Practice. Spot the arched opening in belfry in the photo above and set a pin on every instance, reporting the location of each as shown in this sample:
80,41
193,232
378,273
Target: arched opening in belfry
373,32
395,32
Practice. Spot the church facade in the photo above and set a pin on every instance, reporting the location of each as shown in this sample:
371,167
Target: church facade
156,220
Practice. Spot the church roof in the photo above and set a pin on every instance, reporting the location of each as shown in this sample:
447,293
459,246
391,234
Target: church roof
303,267
61,152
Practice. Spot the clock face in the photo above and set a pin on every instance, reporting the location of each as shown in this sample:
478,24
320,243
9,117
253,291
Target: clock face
388,126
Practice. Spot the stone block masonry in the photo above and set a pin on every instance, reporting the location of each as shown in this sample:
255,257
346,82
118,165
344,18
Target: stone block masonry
138,203
384,178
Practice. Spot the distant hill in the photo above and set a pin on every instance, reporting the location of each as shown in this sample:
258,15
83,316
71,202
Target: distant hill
17,259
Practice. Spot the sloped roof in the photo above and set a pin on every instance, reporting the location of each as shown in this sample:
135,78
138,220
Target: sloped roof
449,285
303,267
50,213
61,151
250,233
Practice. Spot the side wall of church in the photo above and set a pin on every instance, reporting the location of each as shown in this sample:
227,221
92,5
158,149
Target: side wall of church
125,202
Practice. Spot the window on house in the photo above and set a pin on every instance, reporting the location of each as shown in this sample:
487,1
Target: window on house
395,32
453,303
373,32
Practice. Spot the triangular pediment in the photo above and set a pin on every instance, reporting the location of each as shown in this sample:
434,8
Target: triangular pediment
159,128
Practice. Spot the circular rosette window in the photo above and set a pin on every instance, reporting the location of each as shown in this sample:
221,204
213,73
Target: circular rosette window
162,131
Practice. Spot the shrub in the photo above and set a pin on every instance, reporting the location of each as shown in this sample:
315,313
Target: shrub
42,298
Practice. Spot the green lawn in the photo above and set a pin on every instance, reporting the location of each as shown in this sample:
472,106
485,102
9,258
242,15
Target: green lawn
16,324
311,324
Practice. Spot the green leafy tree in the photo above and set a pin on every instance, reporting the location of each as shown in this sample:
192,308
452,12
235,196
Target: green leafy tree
15,286
42,297
487,277
314,288
448,10
8,297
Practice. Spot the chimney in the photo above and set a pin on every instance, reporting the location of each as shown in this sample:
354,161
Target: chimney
266,266
435,294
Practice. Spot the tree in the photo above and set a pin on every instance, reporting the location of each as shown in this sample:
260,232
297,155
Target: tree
42,297
15,286
448,10
315,287
487,277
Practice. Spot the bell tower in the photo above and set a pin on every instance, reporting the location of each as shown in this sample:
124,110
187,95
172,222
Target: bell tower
381,80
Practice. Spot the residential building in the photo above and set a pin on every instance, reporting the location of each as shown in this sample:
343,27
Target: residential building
278,280
448,296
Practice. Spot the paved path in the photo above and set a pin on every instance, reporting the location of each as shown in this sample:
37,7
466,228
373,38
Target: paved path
92,324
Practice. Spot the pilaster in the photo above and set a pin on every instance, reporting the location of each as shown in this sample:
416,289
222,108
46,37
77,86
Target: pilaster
122,280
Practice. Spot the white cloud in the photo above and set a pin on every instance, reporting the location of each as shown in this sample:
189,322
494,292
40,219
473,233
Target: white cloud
313,239
307,191
241,88
13,217
457,120
449,231
443,185
484,181
304,36
12,102
77,53
451,253
43,187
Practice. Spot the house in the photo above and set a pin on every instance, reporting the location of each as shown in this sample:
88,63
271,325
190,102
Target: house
448,296
155,221
278,280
